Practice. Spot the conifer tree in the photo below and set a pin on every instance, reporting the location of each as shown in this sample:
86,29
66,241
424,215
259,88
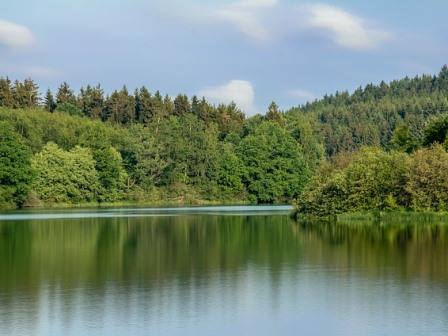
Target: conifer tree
144,105
181,105
50,104
274,114
65,95
91,100
6,97
120,107
25,94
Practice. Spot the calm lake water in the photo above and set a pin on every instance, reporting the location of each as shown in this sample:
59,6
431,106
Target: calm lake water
220,271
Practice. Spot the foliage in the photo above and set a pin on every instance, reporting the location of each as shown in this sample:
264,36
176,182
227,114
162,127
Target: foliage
15,167
111,174
436,130
428,179
65,176
346,152
369,115
371,179
276,168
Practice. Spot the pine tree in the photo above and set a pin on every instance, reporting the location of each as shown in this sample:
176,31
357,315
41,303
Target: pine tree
25,94
91,101
65,95
167,108
144,105
181,105
6,97
50,104
120,107
274,114
195,106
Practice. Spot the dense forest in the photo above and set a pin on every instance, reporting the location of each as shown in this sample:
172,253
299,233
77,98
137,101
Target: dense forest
144,147
370,149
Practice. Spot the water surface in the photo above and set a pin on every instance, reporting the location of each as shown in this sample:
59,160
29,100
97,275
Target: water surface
220,271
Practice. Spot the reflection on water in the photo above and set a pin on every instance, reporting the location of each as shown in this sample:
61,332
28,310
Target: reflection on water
209,273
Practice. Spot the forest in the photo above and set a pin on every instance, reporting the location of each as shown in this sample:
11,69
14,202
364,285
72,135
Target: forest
381,147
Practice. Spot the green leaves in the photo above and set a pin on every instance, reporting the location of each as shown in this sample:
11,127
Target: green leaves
371,179
276,168
428,179
65,176
15,167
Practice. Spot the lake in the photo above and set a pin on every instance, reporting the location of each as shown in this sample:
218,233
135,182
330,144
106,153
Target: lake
220,271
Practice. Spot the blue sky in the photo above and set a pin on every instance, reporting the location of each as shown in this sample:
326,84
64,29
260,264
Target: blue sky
250,51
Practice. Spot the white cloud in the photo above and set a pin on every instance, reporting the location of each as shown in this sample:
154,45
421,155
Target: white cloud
344,28
239,91
302,95
246,16
14,35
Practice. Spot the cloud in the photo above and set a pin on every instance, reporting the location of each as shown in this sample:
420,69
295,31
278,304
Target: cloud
15,36
246,16
239,91
344,28
302,95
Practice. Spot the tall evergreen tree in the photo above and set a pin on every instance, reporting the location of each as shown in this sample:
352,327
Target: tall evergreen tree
181,105
120,107
144,105
65,95
6,97
91,100
274,114
50,104
25,94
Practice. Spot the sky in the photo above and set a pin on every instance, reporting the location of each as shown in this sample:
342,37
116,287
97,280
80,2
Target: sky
248,51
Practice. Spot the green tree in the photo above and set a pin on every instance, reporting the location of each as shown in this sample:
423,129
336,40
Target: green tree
111,174
373,176
65,176
50,104
120,107
436,130
428,179
231,172
15,167
144,106
274,114
181,105
276,168
148,158
402,139
91,100
6,97
25,94
65,95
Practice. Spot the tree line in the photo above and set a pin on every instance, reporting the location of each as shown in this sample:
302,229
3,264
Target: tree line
120,107
141,148
346,152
